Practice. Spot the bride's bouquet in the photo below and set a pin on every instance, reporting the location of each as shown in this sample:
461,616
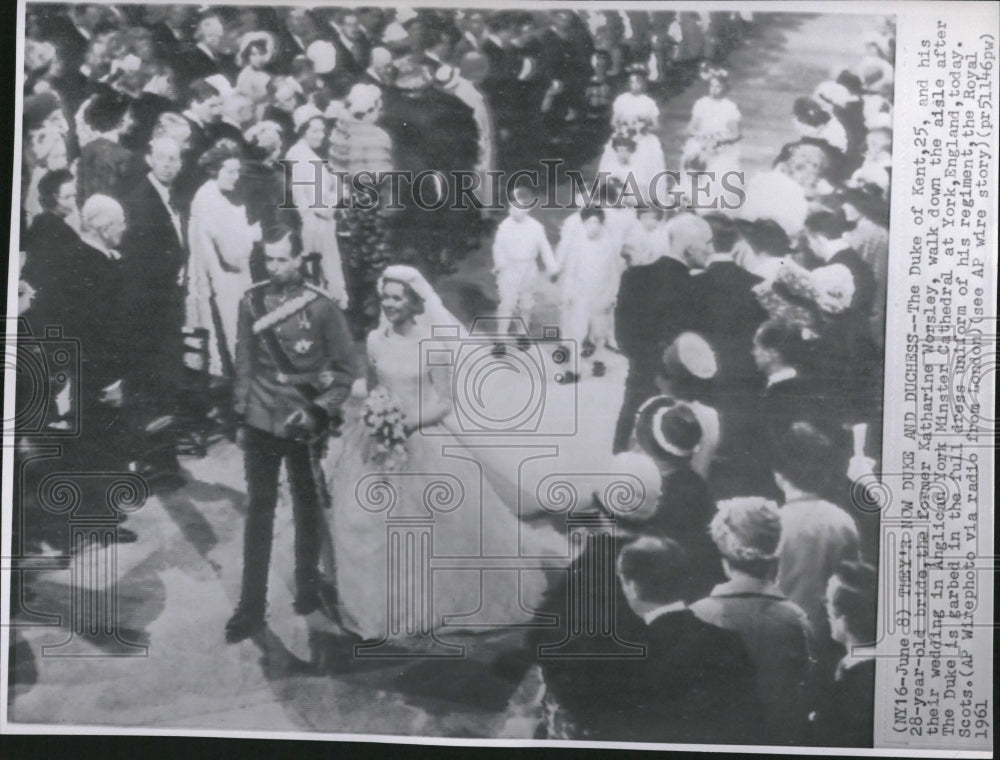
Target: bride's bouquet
386,424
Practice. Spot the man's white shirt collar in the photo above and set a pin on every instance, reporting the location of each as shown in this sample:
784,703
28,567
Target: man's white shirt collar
164,193
95,242
718,258
162,190
650,616
785,373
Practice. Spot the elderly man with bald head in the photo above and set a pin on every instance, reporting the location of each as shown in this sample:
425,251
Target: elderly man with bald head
92,309
153,259
656,303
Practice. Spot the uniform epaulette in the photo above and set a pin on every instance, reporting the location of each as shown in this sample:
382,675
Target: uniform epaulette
317,289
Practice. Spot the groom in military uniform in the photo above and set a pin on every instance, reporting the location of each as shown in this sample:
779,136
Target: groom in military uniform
293,371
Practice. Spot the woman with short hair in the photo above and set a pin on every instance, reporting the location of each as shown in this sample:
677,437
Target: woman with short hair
221,240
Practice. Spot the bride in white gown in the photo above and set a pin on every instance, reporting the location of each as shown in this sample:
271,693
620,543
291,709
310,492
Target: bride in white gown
438,484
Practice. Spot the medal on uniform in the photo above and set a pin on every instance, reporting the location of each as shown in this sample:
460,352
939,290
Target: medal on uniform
304,322
302,346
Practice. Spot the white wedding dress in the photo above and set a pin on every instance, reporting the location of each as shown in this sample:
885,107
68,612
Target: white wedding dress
438,501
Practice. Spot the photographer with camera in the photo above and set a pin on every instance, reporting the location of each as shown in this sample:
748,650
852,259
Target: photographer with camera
293,371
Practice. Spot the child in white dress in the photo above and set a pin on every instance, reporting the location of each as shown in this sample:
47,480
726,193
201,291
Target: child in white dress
587,254
714,129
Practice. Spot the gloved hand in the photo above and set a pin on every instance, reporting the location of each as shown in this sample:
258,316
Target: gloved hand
301,423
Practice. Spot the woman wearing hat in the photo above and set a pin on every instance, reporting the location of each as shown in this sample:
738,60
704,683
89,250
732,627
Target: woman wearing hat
359,144
316,211
255,54
812,120
688,369
668,432
775,631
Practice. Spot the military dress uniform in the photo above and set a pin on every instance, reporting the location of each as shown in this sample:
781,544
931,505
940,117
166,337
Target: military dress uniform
293,354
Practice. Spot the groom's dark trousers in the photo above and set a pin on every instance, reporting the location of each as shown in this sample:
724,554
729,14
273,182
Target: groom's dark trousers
263,454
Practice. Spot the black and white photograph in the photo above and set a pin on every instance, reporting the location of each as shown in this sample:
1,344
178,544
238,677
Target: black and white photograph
468,372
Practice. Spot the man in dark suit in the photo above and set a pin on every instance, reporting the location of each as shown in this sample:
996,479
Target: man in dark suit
295,30
697,683
154,256
850,361
728,316
792,394
729,313
846,717
93,303
73,32
567,48
348,37
205,58
203,113
92,307
501,78
170,35
655,304
693,683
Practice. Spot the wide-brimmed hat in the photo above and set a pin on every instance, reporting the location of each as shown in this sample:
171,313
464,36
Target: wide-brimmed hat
251,37
323,55
304,114
221,83
669,426
690,356
446,75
